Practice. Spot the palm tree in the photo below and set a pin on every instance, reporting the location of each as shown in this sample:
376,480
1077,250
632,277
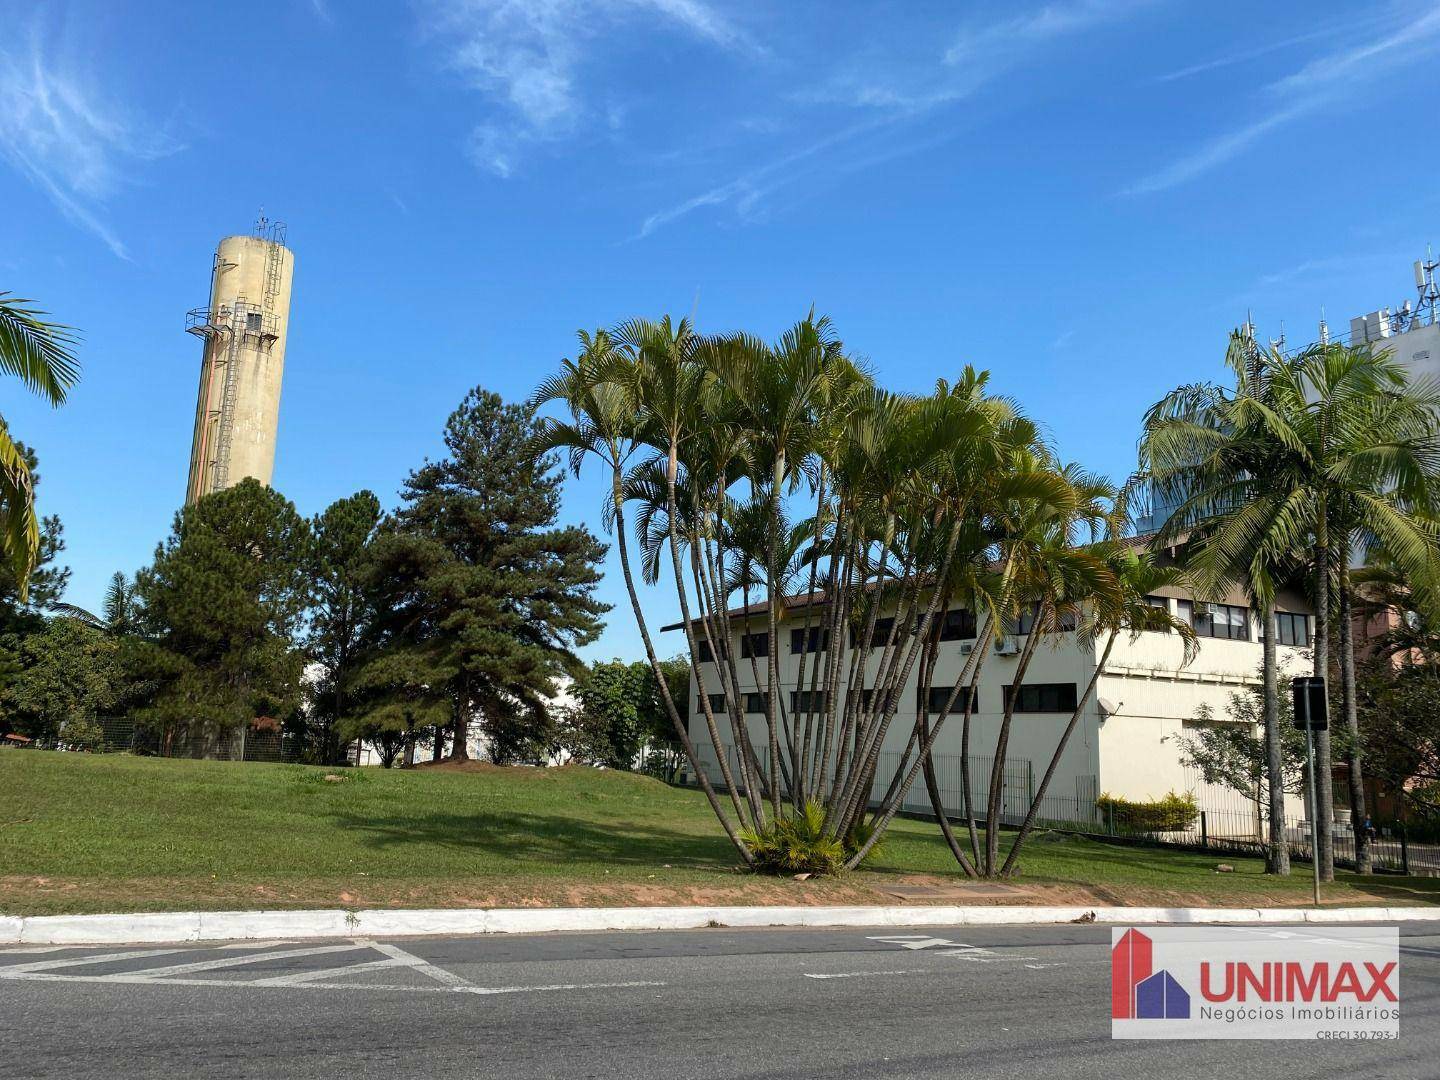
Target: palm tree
1106,614
919,500
1375,442
1305,461
600,390
1218,455
40,354
120,614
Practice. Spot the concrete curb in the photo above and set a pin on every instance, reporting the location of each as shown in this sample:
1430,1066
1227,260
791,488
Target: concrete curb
164,927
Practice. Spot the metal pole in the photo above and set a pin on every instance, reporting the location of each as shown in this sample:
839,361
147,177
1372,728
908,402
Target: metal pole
1310,790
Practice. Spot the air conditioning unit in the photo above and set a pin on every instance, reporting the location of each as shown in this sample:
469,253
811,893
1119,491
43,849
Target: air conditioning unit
966,648
1007,646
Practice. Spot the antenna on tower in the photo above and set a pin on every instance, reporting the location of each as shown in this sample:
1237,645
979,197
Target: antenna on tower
1324,327
1425,286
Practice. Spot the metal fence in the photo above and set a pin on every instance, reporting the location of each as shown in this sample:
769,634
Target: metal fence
1224,821
121,734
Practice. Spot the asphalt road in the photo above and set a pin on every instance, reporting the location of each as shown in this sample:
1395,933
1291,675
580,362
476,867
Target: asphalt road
1021,1002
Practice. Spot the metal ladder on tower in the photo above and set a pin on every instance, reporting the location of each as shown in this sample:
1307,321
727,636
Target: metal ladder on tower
220,477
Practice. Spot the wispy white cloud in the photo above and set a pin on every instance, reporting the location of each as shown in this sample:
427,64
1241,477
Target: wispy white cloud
748,188
68,138
529,58
1324,82
1242,56
1004,43
894,91
322,10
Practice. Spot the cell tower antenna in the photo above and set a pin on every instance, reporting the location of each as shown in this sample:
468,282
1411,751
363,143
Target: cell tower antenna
1324,327
1425,286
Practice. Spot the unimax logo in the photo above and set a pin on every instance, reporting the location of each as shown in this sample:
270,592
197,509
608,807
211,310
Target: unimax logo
1254,983
1282,981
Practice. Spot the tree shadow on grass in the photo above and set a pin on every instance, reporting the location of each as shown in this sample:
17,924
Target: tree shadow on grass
544,839
1423,890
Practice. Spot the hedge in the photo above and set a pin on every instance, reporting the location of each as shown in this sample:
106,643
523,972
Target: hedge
1173,813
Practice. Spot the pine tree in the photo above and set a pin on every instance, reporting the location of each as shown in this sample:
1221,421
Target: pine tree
340,613
223,603
477,584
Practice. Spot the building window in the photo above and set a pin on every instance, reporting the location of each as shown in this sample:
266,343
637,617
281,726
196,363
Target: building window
717,703
1044,697
958,625
1030,614
252,320
1294,629
935,697
707,654
755,704
807,701
1160,603
867,700
1216,620
879,636
816,640
754,645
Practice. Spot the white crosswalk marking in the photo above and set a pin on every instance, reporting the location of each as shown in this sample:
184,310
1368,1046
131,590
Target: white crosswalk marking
237,961
449,978
322,978
93,958
323,974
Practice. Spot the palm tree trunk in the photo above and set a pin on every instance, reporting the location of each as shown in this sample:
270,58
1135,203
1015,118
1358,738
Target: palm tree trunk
993,808
664,685
1277,854
1039,795
1324,824
1364,860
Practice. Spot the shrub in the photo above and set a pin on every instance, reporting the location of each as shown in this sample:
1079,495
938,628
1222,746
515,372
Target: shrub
83,734
795,845
1173,813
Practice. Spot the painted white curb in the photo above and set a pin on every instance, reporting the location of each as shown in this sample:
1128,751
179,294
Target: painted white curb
162,927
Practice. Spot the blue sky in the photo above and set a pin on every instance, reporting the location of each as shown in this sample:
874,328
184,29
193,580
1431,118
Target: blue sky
1082,196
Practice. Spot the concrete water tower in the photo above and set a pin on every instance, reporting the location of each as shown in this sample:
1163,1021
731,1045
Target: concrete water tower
243,331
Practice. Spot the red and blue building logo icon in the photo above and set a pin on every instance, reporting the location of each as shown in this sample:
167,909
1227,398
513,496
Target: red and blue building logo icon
1137,990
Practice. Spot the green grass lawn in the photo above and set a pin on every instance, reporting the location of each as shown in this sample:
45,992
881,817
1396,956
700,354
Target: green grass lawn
108,833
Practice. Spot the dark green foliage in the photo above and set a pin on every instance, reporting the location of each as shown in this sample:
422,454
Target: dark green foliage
616,703
223,604
68,674
474,582
1172,813
47,581
1400,727
341,612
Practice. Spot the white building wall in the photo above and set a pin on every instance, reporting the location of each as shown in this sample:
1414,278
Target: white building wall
1125,743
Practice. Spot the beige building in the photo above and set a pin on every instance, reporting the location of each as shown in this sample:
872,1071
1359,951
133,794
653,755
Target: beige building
243,329
1125,744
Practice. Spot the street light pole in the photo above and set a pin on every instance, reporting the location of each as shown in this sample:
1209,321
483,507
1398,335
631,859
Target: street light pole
1310,716
1310,794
